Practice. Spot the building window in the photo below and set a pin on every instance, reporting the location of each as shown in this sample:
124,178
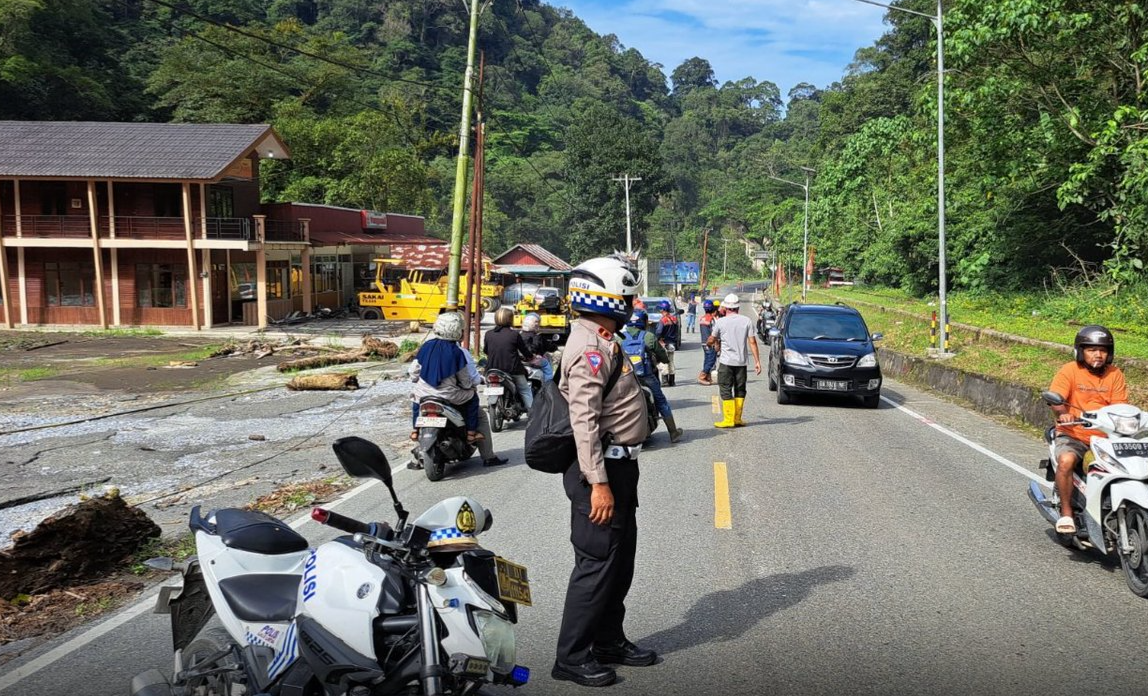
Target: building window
278,279
325,273
220,202
53,198
161,285
70,284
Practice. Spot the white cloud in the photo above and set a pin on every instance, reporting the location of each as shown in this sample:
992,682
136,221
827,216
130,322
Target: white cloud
783,41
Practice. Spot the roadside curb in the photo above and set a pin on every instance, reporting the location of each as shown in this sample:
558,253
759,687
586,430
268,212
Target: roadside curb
986,394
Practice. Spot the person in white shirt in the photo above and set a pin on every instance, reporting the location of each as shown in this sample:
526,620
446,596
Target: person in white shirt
731,335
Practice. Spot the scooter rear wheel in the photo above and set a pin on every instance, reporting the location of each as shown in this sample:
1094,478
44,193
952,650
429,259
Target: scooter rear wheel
496,419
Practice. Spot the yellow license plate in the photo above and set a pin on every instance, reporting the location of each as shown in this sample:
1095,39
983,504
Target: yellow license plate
513,585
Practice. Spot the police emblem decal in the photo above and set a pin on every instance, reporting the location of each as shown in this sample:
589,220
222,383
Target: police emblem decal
594,360
465,520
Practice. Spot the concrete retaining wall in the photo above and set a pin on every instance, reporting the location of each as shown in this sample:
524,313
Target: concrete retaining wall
987,395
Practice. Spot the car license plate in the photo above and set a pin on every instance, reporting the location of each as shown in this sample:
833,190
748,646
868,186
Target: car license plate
831,385
495,391
513,585
430,422
1130,449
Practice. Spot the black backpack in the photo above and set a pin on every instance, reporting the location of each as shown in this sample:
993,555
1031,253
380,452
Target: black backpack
550,444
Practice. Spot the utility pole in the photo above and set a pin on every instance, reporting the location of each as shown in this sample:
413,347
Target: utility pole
472,297
460,168
627,180
705,248
725,254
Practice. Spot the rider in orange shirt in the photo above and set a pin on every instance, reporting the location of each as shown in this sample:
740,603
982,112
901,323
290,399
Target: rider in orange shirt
1087,383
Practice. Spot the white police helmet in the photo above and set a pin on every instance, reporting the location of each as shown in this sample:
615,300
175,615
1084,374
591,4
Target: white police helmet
454,524
606,286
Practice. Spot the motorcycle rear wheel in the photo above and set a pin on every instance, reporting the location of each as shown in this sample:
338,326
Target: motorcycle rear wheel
496,419
1135,564
210,641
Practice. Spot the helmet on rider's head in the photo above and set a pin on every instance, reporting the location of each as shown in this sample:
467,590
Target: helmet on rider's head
531,322
664,305
504,316
639,319
1094,335
605,286
448,326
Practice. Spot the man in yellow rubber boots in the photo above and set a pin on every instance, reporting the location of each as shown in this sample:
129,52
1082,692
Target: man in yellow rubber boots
732,334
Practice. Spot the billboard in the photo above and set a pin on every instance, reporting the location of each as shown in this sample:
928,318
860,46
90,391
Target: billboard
680,272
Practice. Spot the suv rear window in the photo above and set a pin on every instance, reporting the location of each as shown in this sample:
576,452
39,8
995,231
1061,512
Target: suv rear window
827,327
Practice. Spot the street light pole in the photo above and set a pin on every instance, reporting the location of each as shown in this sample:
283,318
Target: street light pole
805,224
938,22
626,179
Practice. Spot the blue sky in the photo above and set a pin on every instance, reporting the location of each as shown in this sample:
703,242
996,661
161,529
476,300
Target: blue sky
783,41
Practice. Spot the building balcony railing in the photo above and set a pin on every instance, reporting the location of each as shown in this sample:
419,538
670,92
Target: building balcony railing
149,228
283,231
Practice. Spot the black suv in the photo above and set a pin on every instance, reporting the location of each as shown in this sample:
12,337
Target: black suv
825,349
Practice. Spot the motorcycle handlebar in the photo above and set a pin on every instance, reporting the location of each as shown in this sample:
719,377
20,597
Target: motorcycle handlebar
350,525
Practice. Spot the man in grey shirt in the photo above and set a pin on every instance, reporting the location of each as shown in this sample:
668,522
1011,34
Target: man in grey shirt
732,334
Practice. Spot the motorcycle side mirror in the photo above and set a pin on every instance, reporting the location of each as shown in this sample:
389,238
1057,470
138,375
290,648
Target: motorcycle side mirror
362,459
877,336
1052,398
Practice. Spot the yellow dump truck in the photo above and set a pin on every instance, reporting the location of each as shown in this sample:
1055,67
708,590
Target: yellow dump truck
414,297
551,308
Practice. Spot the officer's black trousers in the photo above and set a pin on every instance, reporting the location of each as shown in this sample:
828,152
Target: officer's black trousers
603,563
731,381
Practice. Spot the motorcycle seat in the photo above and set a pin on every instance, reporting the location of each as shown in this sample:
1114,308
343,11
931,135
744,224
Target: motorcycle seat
257,532
262,597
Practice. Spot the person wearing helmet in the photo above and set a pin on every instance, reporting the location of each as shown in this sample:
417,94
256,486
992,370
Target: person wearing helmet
609,420
505,351
440,369
731,335
1086,383
539,345
645,352
706,323
668,332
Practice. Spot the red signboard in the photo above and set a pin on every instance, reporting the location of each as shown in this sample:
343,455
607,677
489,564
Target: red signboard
373,220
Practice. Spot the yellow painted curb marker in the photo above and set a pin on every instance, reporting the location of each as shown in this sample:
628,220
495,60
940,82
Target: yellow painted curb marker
723,519
716,404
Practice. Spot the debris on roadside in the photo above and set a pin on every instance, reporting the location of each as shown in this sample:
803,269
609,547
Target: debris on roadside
371,347
181,364
28,619
332,381
74,545
300,495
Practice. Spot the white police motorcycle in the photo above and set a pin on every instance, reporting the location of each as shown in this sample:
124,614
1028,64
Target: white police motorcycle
1110,502
420,609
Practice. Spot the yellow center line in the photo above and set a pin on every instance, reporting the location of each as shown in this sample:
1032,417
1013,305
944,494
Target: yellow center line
723,519
716,404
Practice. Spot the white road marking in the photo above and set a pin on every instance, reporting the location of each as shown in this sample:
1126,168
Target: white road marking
26,670
965,441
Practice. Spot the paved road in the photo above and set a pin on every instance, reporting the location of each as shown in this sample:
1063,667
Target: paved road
868,552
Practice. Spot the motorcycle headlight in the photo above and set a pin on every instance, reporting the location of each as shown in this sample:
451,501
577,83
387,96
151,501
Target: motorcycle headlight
869,360
1109,460
497,636
792,357
1125,425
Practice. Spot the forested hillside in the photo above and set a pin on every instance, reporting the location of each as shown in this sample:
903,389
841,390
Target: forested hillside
1046,120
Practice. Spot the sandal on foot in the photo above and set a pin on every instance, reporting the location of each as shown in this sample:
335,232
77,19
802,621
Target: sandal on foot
1065,525
414,436
472,438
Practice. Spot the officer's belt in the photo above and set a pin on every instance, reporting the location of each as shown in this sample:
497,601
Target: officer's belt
621,452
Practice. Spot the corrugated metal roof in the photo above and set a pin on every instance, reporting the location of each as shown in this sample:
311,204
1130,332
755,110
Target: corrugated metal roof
98,150
528,270
539,252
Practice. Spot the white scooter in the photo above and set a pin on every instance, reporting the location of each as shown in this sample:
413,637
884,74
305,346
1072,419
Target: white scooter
1109,503
421,609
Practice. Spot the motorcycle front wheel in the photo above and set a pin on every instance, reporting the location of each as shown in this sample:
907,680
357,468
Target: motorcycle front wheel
1135,562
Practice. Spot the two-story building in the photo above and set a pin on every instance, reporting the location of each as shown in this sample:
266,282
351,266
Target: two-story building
138,224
